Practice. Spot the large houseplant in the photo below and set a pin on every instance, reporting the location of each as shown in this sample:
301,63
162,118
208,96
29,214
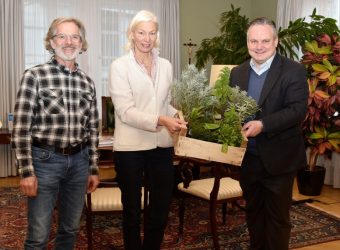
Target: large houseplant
230,46
321,127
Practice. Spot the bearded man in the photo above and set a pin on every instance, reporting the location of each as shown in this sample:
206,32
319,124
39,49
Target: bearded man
55,137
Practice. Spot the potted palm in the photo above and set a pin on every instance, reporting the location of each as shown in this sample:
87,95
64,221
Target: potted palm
321,127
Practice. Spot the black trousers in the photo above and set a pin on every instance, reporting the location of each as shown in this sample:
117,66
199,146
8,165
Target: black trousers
268,200
156,168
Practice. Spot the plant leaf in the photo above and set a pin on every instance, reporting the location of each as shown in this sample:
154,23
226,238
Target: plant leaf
211,126
334,135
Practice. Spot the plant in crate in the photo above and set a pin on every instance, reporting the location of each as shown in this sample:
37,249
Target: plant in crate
214,114
321,127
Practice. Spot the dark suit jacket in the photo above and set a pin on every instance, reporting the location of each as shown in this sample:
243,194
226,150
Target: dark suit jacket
283,104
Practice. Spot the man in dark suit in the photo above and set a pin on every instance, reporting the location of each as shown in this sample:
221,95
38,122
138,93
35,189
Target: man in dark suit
276,148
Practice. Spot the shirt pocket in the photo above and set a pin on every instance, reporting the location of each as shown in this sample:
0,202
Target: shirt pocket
85,103
52,101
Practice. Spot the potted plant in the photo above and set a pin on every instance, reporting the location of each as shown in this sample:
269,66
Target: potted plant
214,113
321,127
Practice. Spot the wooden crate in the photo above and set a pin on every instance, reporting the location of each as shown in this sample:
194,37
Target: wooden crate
189,147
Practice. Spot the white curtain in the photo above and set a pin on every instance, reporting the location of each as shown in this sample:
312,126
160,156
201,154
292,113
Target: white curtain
11,68
290,10
106,22
168,13
332,166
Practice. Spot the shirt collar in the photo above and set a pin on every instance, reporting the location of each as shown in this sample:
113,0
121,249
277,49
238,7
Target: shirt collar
62,67
154,52
263,67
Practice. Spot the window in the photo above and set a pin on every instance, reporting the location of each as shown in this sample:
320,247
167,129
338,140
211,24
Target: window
288,10
327,8
114,23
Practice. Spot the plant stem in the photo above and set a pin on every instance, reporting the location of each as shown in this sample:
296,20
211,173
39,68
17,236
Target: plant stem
313,157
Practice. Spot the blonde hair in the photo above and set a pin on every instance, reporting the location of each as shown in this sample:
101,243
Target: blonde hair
53,30
141,16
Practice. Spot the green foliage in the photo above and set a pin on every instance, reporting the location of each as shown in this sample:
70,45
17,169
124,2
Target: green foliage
230,46
219,111
299,31
191,94
222,91
227,130
233,98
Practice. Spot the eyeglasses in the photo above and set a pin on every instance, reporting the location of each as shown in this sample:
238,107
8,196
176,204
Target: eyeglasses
63,37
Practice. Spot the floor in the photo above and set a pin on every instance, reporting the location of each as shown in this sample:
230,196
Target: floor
328,201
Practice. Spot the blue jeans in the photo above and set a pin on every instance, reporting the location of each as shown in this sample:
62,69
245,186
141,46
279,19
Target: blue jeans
156,167
61,178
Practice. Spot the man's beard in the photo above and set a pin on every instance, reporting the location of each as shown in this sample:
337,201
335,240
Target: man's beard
60,53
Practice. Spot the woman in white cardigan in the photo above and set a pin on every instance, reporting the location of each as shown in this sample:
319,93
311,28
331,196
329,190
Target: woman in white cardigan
140,85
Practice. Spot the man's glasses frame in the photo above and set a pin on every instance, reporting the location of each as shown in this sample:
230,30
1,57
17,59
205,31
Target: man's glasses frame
63,37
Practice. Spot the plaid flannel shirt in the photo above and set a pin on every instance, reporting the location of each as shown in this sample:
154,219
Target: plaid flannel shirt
56,107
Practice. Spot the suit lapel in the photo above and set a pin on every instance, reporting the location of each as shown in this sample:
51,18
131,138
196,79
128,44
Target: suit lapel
273,74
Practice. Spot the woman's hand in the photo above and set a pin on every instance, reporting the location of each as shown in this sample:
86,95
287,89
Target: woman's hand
171,123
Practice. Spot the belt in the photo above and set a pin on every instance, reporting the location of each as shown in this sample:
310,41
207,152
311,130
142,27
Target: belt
69,150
